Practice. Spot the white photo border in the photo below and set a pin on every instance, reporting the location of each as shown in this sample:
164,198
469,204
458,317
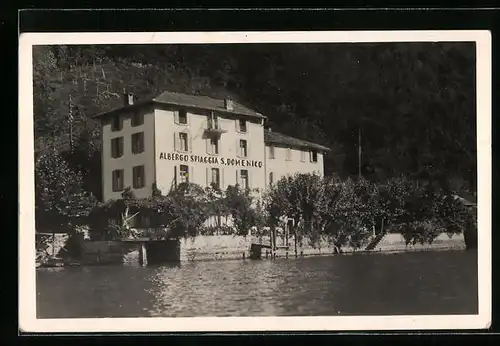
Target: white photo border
27,273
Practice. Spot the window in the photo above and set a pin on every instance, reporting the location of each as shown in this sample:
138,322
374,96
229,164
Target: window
244,179
271,152
138,142
118,180
138,177
214,146
314,156
215,178
184,174
271,178
243,148
183,138
302,156
116,123
117,147
288,154
137,119
182,117
242,125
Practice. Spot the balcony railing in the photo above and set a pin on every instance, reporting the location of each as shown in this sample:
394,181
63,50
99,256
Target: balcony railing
214,127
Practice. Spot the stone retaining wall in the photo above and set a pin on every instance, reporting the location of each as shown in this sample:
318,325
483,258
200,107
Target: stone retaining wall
203,248
226,247
223,247
215,247
102,252
394,242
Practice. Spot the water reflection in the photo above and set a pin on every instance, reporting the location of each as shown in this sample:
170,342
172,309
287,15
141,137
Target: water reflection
413,283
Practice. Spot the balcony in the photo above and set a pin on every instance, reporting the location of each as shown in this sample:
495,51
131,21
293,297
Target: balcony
213,128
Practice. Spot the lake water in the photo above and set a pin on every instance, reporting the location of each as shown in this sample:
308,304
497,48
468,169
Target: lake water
382,284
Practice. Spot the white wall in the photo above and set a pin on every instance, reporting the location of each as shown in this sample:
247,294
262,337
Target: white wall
281,167
128,160
165,128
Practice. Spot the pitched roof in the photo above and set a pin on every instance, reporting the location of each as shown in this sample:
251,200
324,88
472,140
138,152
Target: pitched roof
204,102
281,139
193,101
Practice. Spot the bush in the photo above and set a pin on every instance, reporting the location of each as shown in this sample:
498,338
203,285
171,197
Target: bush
347,211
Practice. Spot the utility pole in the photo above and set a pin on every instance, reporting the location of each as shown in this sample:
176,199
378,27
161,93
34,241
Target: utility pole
359,152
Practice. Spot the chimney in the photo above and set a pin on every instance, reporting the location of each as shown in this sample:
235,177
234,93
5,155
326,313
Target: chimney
228,104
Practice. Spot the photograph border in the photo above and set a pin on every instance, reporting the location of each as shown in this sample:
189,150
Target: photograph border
27,273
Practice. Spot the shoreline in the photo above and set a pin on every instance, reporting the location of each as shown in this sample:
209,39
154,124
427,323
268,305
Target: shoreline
327,254
212,257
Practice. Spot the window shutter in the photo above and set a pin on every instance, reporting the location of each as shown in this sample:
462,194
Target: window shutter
176,141
190,142
238,149
175,176
207,143
119,147
191,174
237,125
248,149
209,178
221,173
176,117
237,177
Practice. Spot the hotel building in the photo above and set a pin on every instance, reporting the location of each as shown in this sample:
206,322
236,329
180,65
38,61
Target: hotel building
175,138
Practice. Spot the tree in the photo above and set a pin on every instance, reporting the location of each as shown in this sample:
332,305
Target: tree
187,210
179,214
216,206
330,217
310,190
452,215
299,197
60,200
243,209
417,219
353,217
283,205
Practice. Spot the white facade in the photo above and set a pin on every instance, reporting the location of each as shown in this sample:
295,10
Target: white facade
291,160
166,144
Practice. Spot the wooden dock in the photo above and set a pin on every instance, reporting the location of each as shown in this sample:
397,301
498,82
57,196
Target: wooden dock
256,250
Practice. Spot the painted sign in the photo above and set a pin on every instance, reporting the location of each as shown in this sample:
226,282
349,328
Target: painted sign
213,160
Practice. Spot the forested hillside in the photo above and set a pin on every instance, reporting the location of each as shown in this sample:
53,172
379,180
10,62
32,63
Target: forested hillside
415,102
